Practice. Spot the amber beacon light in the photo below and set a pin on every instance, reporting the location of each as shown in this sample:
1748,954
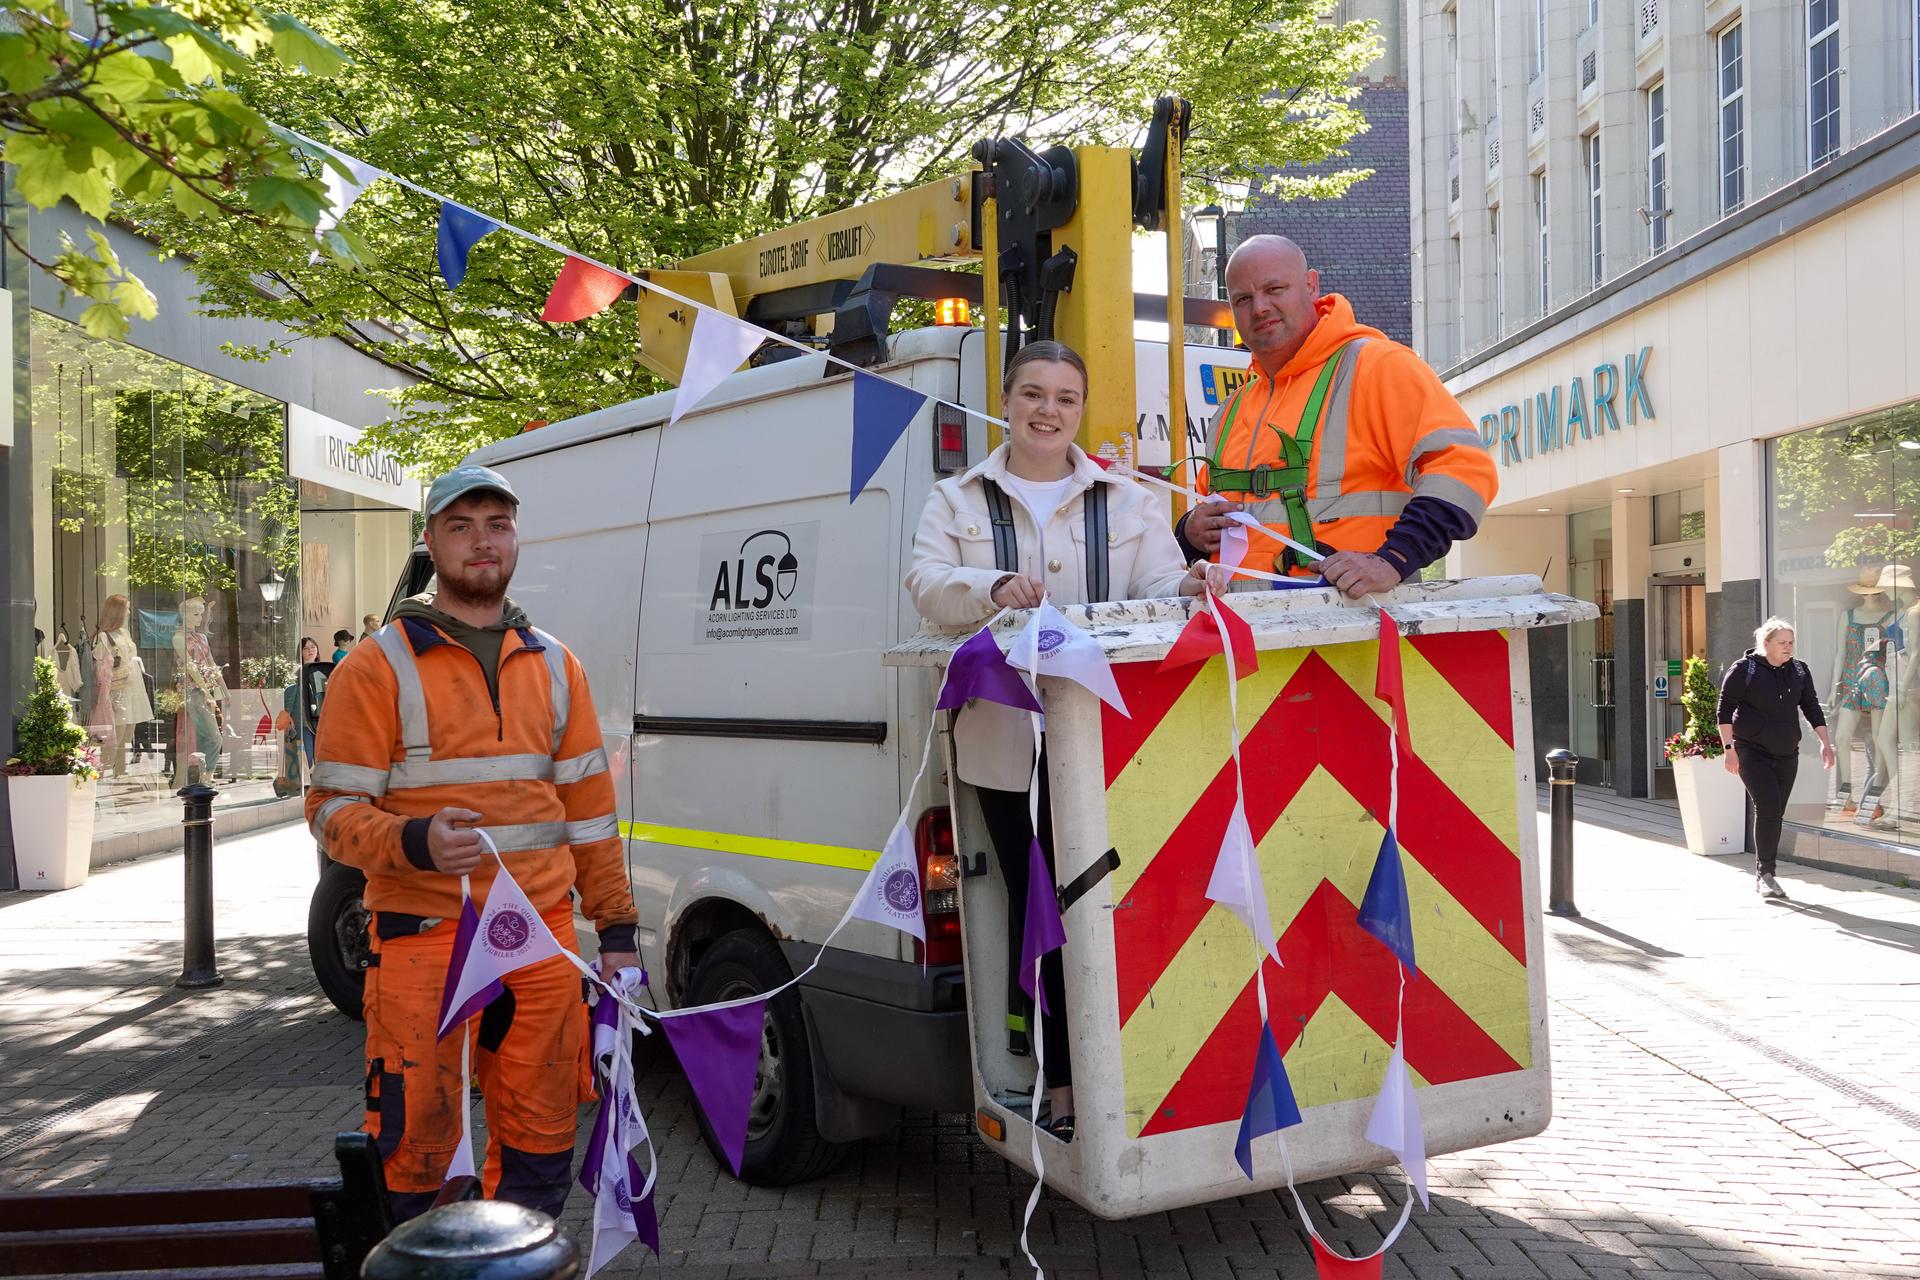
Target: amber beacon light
952,311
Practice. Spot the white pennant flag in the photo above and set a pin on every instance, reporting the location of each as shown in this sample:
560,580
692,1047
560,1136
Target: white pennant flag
1236,883
720,345
1396,1123
509,935
890,894
623,1209
1049,645
342,188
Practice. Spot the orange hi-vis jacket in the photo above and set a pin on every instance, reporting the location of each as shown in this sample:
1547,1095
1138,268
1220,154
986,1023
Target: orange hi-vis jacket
1387,431
410,727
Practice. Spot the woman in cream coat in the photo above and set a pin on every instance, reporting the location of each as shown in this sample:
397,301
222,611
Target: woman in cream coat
954,581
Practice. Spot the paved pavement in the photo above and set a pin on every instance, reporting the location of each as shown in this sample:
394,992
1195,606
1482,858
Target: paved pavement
1735,1097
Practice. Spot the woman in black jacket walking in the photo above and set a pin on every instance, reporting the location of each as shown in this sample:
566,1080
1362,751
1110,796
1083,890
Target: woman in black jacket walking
1762,699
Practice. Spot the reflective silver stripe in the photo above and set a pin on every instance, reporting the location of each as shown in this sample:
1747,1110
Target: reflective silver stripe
1447,489
473,769
556,656
319,824
576,768
331,775
1438,442
1271,511
1363,503
1331,439
528,835
412,699
593,829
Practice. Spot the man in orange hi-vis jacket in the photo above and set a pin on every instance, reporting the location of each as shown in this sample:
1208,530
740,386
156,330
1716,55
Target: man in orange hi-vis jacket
460,715
1343,439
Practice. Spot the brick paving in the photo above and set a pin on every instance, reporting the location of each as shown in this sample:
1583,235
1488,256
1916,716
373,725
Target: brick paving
1737,1097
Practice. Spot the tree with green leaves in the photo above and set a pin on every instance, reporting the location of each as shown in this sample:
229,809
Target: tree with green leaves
641,132
131,110
1858,486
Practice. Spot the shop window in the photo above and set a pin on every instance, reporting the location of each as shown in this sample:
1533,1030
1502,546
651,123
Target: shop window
1844,554
1680,516
166,545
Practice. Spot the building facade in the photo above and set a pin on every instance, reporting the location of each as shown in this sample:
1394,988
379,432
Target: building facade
1663,257
177,519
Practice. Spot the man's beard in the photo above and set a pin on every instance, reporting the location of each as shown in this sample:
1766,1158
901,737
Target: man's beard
475,595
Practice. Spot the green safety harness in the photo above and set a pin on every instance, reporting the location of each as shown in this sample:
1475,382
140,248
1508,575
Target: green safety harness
1287,482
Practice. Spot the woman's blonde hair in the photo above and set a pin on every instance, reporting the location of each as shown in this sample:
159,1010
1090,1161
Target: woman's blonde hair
1768,629
113,613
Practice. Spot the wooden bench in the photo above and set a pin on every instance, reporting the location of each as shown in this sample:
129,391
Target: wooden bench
308,1230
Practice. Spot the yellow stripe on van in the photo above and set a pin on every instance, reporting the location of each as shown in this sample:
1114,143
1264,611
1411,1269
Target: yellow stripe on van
819,855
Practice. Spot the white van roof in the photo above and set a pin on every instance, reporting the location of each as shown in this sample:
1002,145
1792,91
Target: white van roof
754,384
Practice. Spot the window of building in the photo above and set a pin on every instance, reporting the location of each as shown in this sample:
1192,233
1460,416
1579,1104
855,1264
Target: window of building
1593,13
1843,556
1537,59
1823,81
1657,167
1596,236
1540,224
1733,121
1499,271
1680,516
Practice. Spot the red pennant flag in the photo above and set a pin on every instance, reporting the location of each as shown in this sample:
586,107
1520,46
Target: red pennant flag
1200,640
1386,678
582,290
1332,1266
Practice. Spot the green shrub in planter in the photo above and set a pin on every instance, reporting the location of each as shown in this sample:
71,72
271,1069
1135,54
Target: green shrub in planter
50,742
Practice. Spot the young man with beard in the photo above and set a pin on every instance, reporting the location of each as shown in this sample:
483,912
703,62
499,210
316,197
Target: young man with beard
461,715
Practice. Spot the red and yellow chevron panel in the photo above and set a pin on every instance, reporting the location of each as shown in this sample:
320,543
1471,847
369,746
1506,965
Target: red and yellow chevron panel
1315,749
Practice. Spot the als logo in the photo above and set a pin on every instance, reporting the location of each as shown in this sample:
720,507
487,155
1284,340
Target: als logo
509,931
902,891
775,570
1051,638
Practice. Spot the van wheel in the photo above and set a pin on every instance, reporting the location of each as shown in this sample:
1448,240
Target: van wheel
337,942
784,1145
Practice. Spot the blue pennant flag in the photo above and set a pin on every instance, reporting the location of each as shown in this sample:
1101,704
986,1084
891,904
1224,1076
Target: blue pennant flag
1384,912
1270,1105
881,412
460,230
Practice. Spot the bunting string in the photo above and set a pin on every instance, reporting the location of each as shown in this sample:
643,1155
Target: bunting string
465,235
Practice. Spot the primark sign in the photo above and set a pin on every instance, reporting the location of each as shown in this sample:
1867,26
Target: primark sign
1563,417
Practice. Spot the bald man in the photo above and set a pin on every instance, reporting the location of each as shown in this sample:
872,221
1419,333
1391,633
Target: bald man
1343,439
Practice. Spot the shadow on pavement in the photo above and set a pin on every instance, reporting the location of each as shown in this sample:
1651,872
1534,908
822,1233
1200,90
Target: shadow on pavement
1884,933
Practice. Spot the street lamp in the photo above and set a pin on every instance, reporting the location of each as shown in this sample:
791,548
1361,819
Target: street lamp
272,587
1210,223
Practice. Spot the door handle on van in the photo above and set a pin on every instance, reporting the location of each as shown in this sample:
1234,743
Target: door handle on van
870,732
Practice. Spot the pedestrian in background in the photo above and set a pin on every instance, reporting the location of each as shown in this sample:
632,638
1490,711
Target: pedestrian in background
368,625
1762,698
342,643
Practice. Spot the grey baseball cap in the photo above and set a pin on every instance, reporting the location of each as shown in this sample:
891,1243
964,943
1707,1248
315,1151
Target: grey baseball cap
461,481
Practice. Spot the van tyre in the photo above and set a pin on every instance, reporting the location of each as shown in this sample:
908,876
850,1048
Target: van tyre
784,1145
337,942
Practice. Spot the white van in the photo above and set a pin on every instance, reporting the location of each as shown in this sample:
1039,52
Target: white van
731,606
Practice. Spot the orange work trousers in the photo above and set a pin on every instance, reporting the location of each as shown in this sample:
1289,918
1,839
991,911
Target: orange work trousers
530,1055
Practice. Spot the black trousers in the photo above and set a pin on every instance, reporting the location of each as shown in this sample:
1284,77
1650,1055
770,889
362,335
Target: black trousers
1769,780
1012,834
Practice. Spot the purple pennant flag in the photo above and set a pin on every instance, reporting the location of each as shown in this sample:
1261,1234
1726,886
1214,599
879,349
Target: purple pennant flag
979,670
719,1050
1384,911
460,230
1270,1104
881,412
646,1223
462,949
1044,930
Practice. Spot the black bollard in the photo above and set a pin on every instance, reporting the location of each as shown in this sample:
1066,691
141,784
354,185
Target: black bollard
198,970
1560,767
475,1240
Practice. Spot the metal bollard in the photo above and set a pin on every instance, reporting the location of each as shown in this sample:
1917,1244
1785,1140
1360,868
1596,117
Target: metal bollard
198,970
475,1240
1560,766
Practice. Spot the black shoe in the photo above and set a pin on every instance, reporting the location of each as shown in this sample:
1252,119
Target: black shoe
1060,1127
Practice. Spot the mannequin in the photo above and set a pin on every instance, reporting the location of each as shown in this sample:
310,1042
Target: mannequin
120,691
1861,629
202,689
1896,582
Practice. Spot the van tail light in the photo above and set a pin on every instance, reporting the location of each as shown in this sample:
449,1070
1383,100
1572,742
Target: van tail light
940,886
949,439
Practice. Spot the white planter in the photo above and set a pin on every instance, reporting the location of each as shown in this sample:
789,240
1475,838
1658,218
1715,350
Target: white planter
1713,805
52,830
